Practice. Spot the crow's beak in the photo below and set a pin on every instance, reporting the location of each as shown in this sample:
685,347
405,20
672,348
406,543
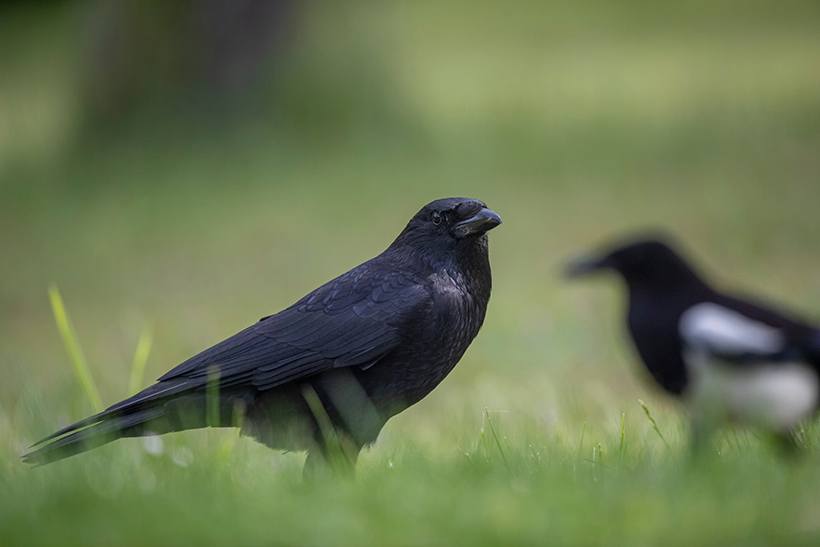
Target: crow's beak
583,265
483,221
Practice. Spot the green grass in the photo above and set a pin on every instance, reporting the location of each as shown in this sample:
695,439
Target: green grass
511,481
574,123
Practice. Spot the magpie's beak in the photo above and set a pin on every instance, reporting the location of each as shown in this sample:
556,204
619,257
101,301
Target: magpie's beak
483,221
584,265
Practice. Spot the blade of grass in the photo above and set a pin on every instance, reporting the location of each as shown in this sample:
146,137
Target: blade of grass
140,358
581,444
72,346
467,455
623,428
497,442
337,460
536,455
652,421
593,463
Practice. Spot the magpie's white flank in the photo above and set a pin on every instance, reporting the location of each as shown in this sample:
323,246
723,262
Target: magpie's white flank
730,359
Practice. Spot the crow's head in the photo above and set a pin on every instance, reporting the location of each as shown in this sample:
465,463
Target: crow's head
448,224
643,262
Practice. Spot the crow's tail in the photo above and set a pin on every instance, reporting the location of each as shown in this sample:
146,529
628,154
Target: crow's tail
142,414
146,411
92,436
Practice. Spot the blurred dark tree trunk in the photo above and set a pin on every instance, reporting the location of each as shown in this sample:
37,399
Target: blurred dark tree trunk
167,58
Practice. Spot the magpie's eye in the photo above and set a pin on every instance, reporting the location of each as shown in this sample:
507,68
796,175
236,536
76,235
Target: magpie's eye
436,219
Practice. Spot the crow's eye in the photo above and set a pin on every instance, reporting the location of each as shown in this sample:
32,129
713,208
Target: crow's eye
436,219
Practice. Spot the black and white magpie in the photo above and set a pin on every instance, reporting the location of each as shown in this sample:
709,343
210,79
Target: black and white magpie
730,359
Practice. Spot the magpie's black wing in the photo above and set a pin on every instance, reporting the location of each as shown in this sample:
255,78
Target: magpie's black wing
735,330
353,320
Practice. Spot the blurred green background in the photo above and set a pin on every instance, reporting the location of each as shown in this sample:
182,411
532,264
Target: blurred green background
194,166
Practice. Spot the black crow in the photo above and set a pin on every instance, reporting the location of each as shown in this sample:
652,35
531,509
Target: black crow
730,359
337,364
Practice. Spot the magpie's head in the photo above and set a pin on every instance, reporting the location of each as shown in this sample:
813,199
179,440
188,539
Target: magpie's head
644,262
448,224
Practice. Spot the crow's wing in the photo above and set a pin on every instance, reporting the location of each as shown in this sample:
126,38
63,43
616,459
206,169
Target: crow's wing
353,320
